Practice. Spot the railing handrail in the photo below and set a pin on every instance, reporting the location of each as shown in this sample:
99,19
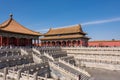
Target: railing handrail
47,55
75,67
57,66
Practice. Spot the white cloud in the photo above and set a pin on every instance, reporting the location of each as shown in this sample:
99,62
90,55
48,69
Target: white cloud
101,21
88,23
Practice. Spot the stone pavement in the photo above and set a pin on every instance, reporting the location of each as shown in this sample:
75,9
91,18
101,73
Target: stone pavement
102,74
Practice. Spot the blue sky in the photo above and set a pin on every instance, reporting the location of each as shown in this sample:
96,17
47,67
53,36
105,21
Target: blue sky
99,18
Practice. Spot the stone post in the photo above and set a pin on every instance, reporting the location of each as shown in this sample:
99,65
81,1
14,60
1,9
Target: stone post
27,75
5,73
35,76
18,74
46,76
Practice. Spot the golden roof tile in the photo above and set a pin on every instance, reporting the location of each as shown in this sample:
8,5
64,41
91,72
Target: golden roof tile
66,30
12,26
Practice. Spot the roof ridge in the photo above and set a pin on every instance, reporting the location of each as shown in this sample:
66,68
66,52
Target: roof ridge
17,23
6,24
69,29
3,25
8,21
66,26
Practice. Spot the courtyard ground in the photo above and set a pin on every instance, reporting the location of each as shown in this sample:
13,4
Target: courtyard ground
103,74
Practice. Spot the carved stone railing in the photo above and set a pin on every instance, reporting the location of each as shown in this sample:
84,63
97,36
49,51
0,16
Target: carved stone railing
35,50
75,67
24,76
23,51
93,52
47,55
36,59
63,70
94,48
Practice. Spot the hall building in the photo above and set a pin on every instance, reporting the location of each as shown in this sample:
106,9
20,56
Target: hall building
67,36
14,34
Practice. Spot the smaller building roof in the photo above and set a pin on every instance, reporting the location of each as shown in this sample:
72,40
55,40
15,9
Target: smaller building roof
66,30
64,37
12,26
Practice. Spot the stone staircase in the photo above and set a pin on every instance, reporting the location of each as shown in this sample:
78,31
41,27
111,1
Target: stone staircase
65,64
19,61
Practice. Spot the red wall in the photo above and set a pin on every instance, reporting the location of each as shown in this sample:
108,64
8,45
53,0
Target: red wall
104,43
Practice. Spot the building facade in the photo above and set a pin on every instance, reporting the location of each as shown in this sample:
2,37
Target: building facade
14,34
68,36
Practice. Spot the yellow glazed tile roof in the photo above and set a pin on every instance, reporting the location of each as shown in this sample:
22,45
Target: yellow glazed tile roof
12,26
66,30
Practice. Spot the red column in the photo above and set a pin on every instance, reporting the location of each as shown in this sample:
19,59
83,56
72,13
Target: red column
50,43
0,40
78,42
71,44
66,43
28,42
31,41
86,43
55,43
17,41
7,41
46,43
42,43
61,43
38,42
81,42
